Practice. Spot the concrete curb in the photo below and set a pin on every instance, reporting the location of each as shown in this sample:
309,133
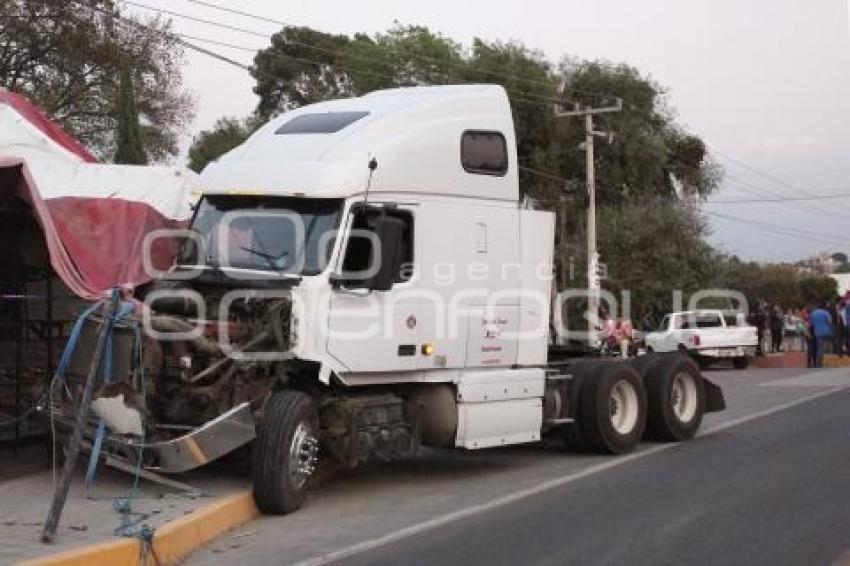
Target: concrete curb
171,541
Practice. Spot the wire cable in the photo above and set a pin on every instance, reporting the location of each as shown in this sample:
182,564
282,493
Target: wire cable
277,22
792,233
781,199
516,96
771,193
523,96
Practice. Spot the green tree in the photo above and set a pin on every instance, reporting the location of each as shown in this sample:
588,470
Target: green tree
817,289
779,284
651,233
403,56
301,66
209,145
130,147
531,86
68,56
650,153
652,247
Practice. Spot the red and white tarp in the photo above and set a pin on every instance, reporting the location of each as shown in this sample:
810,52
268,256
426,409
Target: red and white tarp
94,216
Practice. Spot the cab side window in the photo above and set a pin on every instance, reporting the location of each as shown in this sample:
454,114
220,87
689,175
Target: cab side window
392,230
484,152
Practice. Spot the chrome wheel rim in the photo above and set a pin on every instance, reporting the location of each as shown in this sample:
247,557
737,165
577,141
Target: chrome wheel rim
303,455
623,407
683,396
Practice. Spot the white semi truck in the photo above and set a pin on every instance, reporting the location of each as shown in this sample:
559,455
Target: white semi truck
361,280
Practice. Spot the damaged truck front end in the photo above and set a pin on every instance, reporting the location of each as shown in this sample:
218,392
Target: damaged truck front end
191,368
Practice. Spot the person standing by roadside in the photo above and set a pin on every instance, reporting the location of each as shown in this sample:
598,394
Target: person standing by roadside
757,318
838,327
777,328
809,339
822,330
845,321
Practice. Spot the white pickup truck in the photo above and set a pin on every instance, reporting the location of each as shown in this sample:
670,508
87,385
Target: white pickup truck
707,335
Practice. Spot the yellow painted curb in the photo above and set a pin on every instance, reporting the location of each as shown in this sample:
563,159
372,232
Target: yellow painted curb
172,541
180,537
833,361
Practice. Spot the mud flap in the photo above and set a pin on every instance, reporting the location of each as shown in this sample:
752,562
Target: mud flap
714,399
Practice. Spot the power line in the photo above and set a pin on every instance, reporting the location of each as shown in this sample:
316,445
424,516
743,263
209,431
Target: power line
180,39
778,230
544,174
781,199
216,42
774,179
516,96
756,171
761,192
767,193
208,22
238,12
274,21
794,230
795,233
335,52
166,34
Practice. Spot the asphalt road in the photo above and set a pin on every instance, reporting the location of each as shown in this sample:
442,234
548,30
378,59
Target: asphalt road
767,482
774,491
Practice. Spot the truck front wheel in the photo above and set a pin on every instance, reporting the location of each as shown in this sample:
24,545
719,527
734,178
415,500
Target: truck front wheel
612,410
285,452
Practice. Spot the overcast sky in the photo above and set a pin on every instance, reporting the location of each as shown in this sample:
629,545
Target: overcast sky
765,82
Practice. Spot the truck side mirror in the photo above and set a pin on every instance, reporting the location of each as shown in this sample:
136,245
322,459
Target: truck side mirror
375,253
389,231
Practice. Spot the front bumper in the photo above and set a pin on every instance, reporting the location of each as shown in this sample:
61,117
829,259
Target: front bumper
210,441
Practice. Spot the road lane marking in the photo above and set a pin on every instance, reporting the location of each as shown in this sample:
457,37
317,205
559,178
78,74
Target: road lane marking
480,508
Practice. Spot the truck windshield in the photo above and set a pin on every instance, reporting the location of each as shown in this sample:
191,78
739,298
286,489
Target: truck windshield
282,234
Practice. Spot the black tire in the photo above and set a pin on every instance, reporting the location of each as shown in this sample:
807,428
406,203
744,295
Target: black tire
597,408
741,362
640,363
573,439
664,423
571,433
275,490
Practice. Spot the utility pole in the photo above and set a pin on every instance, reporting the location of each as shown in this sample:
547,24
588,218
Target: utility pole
593,284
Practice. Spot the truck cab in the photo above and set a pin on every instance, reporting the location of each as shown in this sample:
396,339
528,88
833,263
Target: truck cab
359,280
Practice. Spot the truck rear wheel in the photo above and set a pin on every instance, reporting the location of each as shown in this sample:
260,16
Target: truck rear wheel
741,362
571,433
285,452
676,394
612,408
